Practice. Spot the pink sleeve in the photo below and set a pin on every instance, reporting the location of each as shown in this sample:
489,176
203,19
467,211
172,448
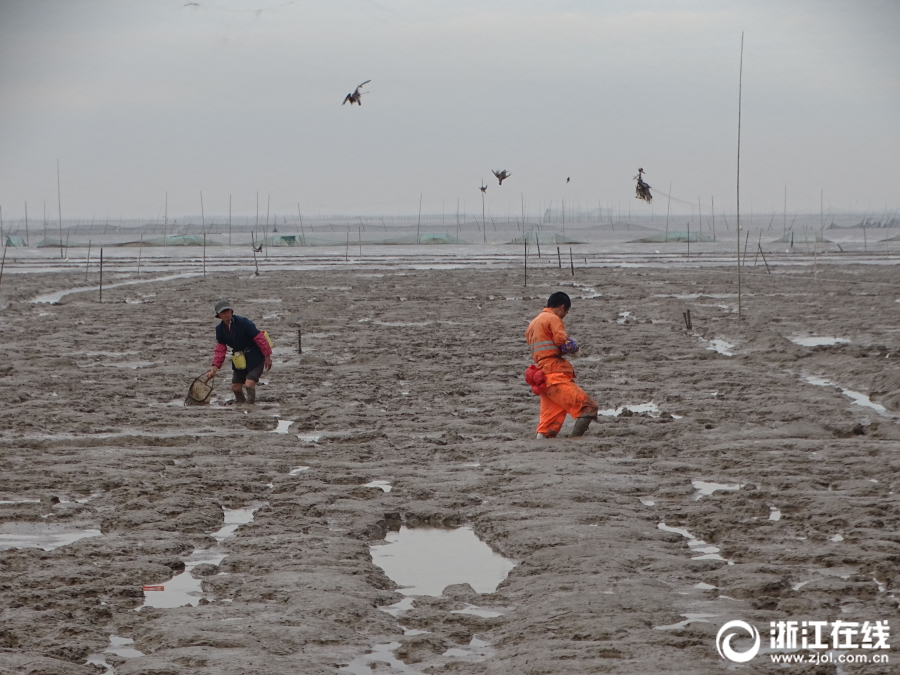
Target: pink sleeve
263,344
219,355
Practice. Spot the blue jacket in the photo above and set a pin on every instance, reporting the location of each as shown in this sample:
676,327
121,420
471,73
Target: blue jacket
240,339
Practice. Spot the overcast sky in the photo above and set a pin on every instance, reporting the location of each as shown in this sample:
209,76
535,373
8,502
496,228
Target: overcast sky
139,98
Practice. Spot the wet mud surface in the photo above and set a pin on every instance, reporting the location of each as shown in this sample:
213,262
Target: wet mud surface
412,379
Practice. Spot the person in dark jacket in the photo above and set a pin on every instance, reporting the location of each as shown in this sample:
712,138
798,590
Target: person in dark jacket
241,335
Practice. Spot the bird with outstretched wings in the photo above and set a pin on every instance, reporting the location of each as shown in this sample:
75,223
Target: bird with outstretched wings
483,188
356,96
501,175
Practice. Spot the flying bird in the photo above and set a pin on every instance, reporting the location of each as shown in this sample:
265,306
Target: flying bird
642,191
501,175
356,96
483,188
568,179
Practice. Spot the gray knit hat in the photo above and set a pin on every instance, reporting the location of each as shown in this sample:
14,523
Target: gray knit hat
222,305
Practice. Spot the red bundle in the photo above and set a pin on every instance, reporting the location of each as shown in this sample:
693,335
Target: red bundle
536,379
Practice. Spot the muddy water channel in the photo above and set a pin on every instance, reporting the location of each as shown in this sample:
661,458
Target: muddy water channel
384,506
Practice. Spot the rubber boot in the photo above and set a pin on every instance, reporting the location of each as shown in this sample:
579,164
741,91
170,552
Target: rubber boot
239,396
581,426
251,395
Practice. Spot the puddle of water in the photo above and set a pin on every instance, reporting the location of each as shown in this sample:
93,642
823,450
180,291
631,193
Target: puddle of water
134,365
393,323
704,587
472,465
479,611
46,537
383,484
651,408
817,341
424,561
646,501
119,647
309,438
184,589
56,296
283,426
838,537
719,346
774,514
623,317
20,501
705,489
689,618
234,518
399,608
381,653
477,650
858,398
706,551
296,471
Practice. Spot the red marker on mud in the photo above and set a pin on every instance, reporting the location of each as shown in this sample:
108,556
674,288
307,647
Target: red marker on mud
154,588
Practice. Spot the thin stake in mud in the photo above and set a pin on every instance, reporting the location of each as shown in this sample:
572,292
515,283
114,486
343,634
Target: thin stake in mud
558,257
26,225
768,271
87,262
101,275
140,251
740,89
571,261
3,262
525,238
687,319
59,203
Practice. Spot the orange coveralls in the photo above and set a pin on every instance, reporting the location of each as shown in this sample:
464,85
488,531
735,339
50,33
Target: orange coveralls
545,334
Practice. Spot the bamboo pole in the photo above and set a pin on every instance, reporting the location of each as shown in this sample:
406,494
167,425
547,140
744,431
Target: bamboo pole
59,204
101,275
87,263
740,91
558,258
140,251
229,218
571,261
525,238
27,242
3,261
419,221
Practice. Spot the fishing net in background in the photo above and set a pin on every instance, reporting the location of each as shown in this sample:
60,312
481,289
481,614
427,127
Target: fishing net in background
642,191
199,392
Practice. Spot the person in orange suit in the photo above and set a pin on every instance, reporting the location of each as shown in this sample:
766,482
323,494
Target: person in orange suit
547,339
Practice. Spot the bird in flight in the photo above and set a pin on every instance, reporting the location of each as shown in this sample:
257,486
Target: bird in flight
356,96
483,188
501,175
568,179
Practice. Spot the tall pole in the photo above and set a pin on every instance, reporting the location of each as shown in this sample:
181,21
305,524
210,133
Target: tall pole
419,221
713,210
740,91
59,204
668,205
27,243
166,218
483,225
229,219
784,219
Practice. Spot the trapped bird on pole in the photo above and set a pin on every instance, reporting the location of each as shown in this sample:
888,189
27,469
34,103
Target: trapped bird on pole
642,191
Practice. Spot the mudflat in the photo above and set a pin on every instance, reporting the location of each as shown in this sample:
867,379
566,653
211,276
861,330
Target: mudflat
734,472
